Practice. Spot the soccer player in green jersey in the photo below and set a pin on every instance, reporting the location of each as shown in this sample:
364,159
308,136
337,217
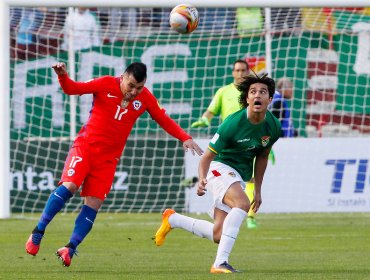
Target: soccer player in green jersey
224,103
245,135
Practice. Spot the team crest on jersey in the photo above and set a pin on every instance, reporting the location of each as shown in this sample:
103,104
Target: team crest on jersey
265,140
70,172
232,174
136,104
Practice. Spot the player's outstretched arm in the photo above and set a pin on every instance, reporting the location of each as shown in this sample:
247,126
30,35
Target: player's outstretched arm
192,146
72,87
203,168
60,68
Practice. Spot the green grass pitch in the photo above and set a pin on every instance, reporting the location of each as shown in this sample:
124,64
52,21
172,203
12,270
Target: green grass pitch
120,246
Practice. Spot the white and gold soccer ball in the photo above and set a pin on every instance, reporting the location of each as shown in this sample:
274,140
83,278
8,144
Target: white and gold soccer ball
184,18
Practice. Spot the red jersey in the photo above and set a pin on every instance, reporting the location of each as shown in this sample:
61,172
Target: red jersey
109,124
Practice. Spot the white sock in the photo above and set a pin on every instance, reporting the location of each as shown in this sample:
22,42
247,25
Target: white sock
230,231
201,228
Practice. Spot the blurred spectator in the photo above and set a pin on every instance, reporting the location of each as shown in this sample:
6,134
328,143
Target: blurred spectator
149,17
216,20
157,17
84,28
117,23
15,15
110,20
121,23
248,20
26,22
280,106
163,17
283,19
50,34
319,19
366,11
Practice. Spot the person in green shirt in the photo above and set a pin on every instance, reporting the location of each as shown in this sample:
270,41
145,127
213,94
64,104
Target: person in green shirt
239,150
224,103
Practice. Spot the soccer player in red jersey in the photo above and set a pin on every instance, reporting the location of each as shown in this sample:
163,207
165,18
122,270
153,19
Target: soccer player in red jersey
93,157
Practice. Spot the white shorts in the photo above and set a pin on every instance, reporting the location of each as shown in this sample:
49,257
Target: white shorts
220,177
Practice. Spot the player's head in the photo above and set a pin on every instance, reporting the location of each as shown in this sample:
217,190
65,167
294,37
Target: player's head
137,70
256,91
285,87
240,70
133,80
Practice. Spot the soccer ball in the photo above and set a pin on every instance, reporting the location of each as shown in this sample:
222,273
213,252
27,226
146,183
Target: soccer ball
184,18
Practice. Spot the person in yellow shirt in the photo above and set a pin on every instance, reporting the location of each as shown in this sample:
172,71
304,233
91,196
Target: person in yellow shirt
224,103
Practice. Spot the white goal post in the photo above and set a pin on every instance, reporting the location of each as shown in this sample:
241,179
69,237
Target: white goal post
6,81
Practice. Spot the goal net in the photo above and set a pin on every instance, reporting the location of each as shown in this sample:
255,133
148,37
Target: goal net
324,51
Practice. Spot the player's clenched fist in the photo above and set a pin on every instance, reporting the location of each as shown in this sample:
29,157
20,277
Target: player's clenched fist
60,68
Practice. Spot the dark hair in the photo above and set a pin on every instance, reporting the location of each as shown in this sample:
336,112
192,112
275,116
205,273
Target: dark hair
249,80
138,70
240,61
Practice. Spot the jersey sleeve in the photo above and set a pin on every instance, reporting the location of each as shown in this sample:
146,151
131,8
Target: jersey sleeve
168,124
216,103
72,87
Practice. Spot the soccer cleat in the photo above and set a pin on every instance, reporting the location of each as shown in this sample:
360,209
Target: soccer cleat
33,242
223,268
165,227
65,254
251,222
